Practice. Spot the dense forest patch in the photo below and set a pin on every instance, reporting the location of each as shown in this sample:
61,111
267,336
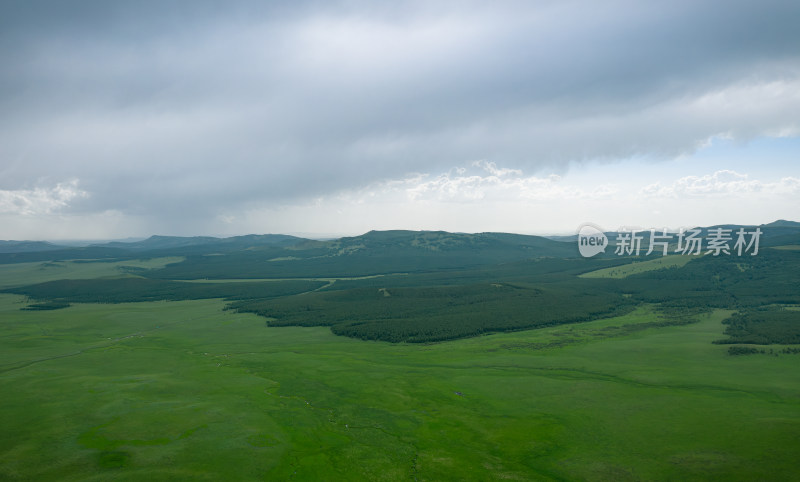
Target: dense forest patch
765,326
125,290
421,287
430,314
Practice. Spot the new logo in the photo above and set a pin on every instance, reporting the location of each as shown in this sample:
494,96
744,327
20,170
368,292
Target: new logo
591,240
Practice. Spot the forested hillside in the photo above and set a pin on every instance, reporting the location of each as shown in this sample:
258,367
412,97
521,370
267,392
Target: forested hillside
407,286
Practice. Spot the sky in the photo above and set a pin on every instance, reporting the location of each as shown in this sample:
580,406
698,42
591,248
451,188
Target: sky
128,119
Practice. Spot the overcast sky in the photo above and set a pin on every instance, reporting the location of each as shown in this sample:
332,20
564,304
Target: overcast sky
126,119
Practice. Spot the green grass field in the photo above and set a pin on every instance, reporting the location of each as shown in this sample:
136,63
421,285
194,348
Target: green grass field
625,270
791,247
185,390
28,273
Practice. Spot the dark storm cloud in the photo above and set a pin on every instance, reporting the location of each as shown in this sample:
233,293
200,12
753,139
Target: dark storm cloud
187,108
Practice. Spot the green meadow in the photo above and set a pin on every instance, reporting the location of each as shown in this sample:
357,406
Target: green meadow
38,272
625,270
187,390
793,247
397,356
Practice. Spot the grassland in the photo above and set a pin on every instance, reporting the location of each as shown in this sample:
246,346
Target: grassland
167,390
21,274
791,247
146,370
623,271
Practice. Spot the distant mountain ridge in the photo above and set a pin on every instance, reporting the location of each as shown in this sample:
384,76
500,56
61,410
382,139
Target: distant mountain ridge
378,247
157,242
783,224
374,252
27,246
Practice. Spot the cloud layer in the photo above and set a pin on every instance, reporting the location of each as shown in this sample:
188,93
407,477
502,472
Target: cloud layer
722,183
179,113
28,202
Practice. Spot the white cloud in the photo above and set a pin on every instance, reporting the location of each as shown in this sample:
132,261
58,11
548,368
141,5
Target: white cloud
720,183
481,181
36,201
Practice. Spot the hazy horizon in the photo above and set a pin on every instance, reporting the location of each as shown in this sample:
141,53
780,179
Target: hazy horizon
327,236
